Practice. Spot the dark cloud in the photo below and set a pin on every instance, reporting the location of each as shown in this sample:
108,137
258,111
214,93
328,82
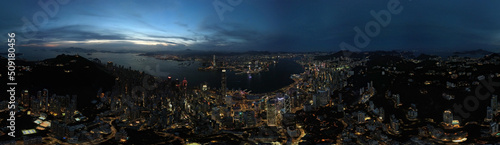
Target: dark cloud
77,33
316,25
81,33
173,37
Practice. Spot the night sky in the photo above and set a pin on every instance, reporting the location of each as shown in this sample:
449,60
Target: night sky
273,25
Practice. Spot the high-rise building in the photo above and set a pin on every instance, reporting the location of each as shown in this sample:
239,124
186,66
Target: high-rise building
288,104
204,87
493,128
280,103
25,98
216,113
184,83
340,107
229,100
39,97
494,102
35,105
271,112
371,106
109,66
213,62
223,87
28,140
315,101
397,100
395,124
249,119
361,117
412,112
121,136
447,117
45,99
489,114
381,114
324,97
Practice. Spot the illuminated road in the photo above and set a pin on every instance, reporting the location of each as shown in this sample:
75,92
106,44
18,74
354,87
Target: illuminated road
52,140
302,134
112,135
163,134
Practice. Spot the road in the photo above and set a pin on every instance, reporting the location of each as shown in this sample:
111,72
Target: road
52,140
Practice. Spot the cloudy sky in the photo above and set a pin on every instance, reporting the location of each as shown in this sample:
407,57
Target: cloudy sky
242,25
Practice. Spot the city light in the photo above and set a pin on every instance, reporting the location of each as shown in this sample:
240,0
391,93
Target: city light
250,72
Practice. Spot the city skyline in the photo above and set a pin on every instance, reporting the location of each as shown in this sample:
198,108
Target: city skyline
253,25
250,72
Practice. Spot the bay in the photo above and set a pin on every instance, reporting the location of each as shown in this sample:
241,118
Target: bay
277,77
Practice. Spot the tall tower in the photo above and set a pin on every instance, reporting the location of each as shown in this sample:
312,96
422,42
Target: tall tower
223,87
25,98
184,83
271,112
213,63
447,117
45,98
184,86
288,104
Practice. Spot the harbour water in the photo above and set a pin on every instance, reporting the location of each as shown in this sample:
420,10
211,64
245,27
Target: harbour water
277,77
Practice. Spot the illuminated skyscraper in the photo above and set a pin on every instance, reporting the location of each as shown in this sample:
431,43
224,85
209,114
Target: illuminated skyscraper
223,87
213,62
25,98
489,114
184,83
45,99
271,112
323,97
447,117
204,87
288,104
493,128
184,86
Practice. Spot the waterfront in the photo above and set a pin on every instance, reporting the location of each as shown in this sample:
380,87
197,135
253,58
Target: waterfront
277,77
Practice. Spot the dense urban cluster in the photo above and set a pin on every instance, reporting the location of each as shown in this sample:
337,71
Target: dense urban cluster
361,98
